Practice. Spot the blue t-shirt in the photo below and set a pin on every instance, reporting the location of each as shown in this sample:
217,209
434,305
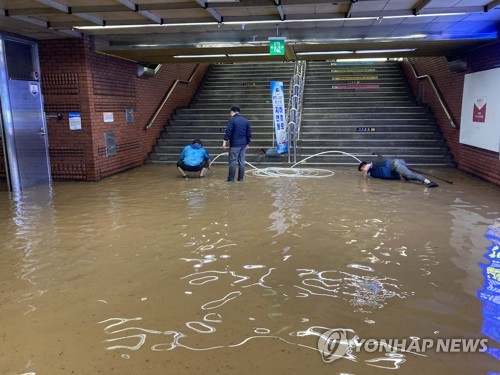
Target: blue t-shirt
193,155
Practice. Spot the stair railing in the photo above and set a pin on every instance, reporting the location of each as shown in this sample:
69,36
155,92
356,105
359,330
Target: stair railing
170,92
294,112
436,91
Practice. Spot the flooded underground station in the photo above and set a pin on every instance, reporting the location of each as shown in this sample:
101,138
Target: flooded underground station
319,272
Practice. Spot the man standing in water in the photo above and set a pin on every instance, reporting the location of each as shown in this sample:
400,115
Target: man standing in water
238,134
392,169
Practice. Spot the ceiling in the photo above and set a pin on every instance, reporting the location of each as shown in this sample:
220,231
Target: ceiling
163,31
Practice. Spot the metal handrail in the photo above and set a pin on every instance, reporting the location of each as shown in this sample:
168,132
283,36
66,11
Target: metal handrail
296,94
167,96
436,91
294,113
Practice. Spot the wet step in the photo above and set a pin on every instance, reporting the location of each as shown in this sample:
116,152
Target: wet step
361,109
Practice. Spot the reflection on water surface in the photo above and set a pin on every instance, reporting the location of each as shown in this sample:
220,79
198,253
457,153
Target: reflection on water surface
147,273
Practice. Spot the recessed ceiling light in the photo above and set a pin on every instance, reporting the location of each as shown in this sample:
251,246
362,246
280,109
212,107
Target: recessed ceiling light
197,56
247,54
386,50
370,59
323,53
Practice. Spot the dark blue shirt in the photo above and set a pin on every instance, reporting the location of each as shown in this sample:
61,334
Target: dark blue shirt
238,131
383,169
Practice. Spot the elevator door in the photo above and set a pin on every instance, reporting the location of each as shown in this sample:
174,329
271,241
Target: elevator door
23,117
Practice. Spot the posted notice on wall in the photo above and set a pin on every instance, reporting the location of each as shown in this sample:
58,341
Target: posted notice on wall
480,122
108,117
479,110
75,121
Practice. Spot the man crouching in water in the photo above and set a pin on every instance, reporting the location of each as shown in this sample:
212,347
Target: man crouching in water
392,169
194,158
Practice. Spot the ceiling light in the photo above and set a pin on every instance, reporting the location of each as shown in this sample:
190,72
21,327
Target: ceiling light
247,54
414,36
386,50
260,22
354,60
147,25
198,56
427,15
323,53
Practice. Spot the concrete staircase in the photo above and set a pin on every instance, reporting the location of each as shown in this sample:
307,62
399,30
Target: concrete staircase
246,85
366,109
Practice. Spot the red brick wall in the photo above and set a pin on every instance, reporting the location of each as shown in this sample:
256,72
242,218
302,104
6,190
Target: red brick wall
81,80
478,162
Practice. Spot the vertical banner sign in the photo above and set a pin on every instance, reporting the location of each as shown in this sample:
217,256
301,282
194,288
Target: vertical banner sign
278,97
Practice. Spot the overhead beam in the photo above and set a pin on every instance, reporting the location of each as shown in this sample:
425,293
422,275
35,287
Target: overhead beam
491,5
241,4
168,6
214,14
77,9
32,11
280,9
306,2
290,53
465,9
423,12
54,4
34,21
43,24
312,17
54,7
90,18
349,11
252,3
420,5
65,9
270,17
125,23
72,33
146,13
210,10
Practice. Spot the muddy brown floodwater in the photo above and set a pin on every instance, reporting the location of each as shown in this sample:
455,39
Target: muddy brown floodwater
146,273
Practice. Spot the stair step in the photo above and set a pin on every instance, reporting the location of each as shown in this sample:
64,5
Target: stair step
331,117
223,111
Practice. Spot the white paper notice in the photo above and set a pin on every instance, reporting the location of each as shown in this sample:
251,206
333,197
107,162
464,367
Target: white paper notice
75,121
108,117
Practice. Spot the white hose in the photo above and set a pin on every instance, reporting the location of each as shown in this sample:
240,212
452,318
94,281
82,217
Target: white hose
326,152
293,172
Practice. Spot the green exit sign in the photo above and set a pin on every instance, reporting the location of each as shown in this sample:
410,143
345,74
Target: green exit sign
276,46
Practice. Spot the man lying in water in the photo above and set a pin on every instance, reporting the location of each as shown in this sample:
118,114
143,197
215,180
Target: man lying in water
392,169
